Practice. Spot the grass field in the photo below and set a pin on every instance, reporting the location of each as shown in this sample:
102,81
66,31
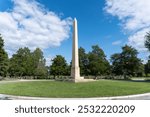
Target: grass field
69,90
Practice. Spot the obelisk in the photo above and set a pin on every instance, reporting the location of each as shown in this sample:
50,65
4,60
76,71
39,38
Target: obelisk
75,70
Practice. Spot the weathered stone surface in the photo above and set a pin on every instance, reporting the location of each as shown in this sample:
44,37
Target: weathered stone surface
75,70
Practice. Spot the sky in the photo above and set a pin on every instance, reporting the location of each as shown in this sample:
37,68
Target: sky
47,24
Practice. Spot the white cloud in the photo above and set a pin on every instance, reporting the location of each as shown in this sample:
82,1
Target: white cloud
137,40
118,42
30,24
135,18
49,59
133,13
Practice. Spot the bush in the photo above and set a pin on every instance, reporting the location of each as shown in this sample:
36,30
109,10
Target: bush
1,78
63,78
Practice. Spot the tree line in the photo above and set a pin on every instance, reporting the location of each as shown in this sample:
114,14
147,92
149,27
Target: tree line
94,63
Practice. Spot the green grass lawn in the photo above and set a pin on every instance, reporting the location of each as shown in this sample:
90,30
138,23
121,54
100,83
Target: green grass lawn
68,90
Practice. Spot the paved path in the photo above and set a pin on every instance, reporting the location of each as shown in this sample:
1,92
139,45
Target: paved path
22,80
145,96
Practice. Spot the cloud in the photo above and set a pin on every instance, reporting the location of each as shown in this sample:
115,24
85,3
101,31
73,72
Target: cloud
137,40
29,24
118,42
49,60
135,18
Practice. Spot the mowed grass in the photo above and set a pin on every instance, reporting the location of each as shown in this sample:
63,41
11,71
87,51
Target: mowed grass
56,89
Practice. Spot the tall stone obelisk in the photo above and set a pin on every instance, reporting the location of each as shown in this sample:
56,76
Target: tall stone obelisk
75,70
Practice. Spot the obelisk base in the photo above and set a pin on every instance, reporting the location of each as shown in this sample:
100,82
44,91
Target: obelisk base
78,79
81,79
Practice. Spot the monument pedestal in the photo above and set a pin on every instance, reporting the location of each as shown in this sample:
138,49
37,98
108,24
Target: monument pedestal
81,79
78,79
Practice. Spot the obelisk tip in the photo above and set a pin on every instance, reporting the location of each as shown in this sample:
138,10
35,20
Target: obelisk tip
75,19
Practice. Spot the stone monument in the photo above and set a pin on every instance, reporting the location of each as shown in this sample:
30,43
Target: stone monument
75,69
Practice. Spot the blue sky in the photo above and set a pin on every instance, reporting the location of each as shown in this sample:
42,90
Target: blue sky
94,25
100,22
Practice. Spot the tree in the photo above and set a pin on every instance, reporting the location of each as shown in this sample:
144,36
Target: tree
59,66
83,61
126,62
41,70
21,63
117,67
38,61
147,68
147,42
98,64
27,63
140,71
3,59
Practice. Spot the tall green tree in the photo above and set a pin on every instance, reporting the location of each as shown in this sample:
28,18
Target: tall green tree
117,67
59,66
3,59
147,41
27,63
147,68
38,61
21,63
126,62
83,61
147,45
98,64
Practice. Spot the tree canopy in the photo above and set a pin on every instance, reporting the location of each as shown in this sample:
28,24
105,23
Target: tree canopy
3,59
83,61
147,42
147,68
98,64
126,62
59,66
27,63
94,62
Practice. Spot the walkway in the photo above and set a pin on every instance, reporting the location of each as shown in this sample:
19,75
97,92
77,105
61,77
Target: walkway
145,96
